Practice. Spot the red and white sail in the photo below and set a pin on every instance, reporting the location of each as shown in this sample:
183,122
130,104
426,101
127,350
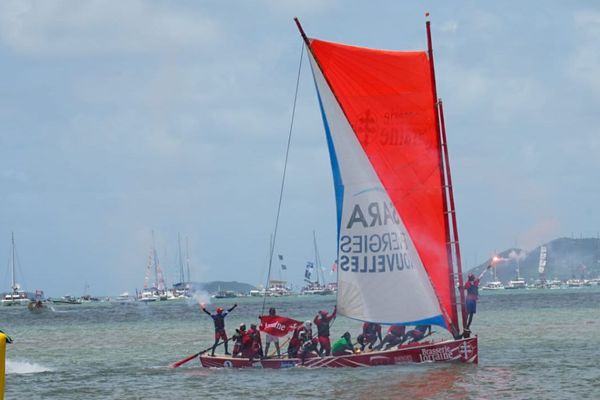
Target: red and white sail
380,122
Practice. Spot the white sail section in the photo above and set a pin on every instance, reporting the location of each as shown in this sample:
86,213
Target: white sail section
380,275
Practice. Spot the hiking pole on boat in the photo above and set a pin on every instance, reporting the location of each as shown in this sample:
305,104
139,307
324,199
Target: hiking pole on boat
4,339
190,358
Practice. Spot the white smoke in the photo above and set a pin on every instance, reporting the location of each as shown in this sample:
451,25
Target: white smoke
517,255
199,297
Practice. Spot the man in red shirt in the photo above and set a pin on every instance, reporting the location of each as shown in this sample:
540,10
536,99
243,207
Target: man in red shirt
322,321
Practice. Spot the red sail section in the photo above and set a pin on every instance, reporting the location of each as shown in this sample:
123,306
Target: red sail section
387,98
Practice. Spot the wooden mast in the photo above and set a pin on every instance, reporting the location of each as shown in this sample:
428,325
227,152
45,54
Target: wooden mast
446,188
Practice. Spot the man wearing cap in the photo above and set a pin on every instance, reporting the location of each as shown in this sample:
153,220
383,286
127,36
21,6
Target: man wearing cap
219,321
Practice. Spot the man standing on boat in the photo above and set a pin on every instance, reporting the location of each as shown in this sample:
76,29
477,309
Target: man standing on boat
322,321
472,288
272,338
219,321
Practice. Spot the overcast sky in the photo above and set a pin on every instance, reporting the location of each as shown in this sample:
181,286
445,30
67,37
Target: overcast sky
120,118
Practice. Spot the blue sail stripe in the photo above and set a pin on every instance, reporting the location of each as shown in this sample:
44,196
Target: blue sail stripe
437,320
335,168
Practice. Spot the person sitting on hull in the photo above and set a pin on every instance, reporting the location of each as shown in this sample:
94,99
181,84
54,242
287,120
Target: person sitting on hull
295,341
394,336
343,346
417,334
322,321
308,342
370,333
219,321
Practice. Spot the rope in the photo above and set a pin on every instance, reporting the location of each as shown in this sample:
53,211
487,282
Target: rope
287,152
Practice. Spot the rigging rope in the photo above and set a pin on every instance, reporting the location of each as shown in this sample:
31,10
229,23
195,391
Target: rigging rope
287,152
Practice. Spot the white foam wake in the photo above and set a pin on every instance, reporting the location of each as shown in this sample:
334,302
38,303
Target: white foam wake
24,367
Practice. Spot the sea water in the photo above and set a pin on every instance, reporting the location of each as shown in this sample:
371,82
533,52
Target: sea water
533,344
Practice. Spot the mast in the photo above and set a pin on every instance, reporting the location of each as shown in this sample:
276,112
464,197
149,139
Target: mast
456,242
187,259
13,278
181,274
446,190
318,260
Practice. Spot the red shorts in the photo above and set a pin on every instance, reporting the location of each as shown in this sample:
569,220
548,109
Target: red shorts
325,344
220,335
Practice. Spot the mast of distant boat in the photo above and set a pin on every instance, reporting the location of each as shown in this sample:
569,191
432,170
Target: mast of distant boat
14,282
181,274
187,261
320,272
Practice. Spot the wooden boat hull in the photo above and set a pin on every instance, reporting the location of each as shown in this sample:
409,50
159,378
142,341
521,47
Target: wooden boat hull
462,350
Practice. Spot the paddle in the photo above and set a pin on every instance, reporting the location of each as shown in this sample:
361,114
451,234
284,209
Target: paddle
181,362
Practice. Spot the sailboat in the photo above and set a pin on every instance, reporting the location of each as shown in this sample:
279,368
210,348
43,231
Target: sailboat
16,296
494,284
518,282
315,287
397,235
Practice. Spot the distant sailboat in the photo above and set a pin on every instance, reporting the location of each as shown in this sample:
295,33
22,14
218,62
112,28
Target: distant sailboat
518,282
16,296
494,284
317,286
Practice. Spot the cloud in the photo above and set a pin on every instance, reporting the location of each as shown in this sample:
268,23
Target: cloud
448,27
96,27
584,62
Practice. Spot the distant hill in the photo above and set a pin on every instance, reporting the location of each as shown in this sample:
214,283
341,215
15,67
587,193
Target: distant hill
215,286
566,258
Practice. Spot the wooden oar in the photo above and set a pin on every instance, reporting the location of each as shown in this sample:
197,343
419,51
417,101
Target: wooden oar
181,362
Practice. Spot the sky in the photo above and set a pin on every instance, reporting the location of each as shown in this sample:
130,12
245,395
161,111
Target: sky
120,120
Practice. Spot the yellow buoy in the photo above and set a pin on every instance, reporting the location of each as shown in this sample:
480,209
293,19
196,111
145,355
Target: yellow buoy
4,338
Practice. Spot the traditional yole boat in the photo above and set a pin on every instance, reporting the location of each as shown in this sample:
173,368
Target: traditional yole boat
398,252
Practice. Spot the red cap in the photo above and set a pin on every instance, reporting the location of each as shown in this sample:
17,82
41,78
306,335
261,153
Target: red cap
219,310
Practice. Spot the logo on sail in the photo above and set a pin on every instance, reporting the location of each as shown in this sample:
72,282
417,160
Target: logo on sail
372,239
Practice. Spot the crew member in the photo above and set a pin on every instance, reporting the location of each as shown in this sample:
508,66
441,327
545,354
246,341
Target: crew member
256,344
295,341
238,340
342,346
417,334
371,332
322,321
308,342
472,288
394,336
272,338
219,321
